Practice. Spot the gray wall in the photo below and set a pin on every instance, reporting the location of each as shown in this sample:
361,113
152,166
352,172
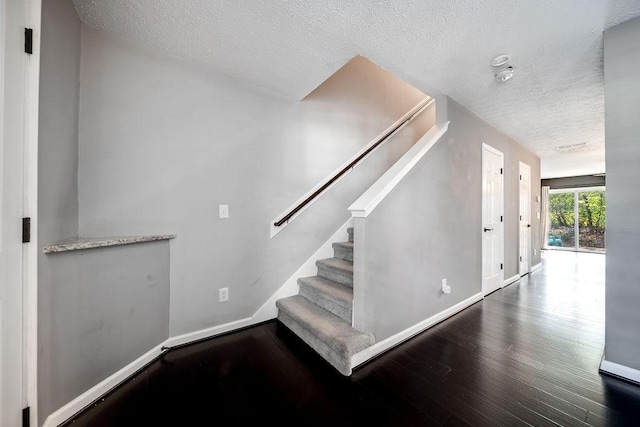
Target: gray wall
98,310
164,142
428,228
57,170
108,307
622,130
467,128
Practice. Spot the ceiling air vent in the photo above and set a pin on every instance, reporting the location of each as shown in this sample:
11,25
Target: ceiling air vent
571,147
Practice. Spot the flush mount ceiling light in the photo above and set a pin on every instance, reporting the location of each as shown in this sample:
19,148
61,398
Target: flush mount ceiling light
504,70
500,60
504,74
571,147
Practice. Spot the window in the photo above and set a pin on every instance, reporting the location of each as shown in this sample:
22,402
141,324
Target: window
577,219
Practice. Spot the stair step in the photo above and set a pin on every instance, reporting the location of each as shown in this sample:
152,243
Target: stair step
331,337
350,231
343,250
330,295
335,269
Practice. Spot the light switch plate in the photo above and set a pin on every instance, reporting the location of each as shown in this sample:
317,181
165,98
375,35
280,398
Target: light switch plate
223,211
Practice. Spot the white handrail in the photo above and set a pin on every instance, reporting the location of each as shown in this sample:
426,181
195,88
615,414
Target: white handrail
319,190
366,203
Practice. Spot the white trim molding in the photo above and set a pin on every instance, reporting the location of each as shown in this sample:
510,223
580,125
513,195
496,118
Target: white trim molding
538,266
290,287
94,393
266,312
208,332
30,208
100,389
366,203
384,345
404,120
511,280
620,371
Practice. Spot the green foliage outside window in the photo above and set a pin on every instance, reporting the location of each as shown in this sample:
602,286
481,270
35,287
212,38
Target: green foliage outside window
561,210
591,210
591,219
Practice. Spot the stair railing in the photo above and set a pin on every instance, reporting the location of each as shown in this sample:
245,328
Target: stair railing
384,137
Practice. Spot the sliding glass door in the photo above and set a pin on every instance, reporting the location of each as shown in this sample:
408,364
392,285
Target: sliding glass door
591,215
562,220
577,219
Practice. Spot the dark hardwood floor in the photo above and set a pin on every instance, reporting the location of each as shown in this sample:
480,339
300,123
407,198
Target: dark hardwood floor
526,355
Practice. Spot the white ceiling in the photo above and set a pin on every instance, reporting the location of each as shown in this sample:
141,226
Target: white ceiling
289,47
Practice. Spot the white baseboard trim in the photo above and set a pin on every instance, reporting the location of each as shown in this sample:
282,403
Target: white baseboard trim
620,371
394,340
94,393
208,332
266,312
510,280
538,266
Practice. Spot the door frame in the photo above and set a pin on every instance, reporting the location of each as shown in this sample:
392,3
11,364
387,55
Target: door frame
30,250
521,168
487,147
29,327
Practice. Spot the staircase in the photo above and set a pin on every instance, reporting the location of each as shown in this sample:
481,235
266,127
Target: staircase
321,314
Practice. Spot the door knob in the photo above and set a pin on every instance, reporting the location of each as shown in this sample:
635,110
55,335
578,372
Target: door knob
528,225
487,229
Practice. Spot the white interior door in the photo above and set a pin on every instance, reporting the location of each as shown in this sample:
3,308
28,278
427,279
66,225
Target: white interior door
525,219
12,126
492,219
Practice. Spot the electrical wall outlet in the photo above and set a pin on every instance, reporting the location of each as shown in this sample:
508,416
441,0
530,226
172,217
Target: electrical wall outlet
223,211
223,294
535,251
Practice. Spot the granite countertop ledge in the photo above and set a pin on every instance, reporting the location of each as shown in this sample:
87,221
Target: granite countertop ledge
101,242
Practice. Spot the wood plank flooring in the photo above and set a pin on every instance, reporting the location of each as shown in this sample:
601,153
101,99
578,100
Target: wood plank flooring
527,354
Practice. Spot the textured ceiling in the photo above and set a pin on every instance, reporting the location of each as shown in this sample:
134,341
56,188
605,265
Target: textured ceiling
289,47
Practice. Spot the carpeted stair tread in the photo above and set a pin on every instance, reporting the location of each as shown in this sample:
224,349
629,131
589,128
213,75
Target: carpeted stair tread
345,245
335,269
330,295
321,314
343,250
332,332
339,266
338,293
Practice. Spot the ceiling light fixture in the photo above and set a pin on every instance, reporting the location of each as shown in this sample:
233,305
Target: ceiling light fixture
500,60
571,147
504,71
504,74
